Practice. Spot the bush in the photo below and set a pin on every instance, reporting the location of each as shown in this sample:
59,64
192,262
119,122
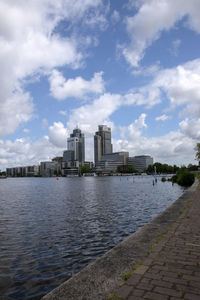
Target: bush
174,178
185,178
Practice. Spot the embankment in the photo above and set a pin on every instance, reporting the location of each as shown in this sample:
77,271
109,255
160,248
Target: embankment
99,279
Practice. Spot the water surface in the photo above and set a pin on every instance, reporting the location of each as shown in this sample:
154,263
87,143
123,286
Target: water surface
51,229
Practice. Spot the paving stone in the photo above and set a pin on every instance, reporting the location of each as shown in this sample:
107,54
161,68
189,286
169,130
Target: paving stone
162,283
169,292
134,279
175,280
135,298
191,297
152,276
124,291
145,286
137,292
155,296
191,278
169,274
141,270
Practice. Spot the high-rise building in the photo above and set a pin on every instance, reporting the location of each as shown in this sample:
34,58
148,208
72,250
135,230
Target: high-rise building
102,142
76,143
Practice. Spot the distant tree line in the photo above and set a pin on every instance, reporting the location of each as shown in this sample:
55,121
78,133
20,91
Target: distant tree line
2,173
168,169
126,169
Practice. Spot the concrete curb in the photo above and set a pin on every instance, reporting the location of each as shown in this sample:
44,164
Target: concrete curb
101,277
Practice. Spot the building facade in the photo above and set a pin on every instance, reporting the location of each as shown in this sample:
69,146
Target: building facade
141,162
26,171
76,143
109,162
68,155
49,168
102,142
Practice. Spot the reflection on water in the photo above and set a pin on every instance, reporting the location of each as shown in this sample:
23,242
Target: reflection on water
51,229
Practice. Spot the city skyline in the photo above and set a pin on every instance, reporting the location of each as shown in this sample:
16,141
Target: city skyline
73,158
133,66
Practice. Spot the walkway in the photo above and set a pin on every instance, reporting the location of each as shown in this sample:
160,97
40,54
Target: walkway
172,269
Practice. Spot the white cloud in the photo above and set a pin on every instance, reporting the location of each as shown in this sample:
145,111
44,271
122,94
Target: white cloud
172,148
162,118
24,152
147,71
58,135
191,128
153,17
134,130
148,95
78,87
44,124
26,130
175,47
180,85
115,17
89,116
14,110
31,45
63,112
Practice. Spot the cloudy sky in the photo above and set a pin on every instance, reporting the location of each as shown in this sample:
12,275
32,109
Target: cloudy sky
133,65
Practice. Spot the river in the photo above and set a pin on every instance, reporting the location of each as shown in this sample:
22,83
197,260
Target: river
50,229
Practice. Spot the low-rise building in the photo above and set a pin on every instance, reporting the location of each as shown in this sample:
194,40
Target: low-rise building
49,168
27,171
111,161
141,162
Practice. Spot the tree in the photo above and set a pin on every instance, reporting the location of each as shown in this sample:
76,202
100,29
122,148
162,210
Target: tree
192,167
84,169
126,169
197,148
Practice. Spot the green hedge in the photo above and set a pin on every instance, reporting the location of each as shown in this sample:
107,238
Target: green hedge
184,178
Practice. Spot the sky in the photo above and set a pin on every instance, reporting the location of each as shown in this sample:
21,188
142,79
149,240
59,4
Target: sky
132,65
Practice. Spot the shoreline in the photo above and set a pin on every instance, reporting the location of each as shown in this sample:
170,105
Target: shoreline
100,278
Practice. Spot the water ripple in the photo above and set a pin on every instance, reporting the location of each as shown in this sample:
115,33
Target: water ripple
51,229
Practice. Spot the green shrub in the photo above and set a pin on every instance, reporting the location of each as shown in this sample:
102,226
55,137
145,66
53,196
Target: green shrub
185,178
174,178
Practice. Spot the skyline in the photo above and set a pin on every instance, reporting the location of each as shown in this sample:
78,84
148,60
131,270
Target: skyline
131,65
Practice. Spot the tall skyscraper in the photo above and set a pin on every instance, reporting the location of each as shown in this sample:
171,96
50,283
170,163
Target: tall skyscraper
76,143
102,142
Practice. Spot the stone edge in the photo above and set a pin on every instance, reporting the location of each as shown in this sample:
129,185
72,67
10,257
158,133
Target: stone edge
100,278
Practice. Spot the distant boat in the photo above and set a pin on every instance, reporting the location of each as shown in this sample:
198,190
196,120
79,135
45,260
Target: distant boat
3,177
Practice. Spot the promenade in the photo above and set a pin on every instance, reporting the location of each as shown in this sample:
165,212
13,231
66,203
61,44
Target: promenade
171,271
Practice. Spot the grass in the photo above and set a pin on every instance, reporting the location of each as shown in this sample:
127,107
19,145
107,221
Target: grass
113,296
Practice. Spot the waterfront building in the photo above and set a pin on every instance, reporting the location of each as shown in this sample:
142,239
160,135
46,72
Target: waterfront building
49,168
89,164
26,171
121,156
141,162
68,155
102,142
76,143
58,159
109,162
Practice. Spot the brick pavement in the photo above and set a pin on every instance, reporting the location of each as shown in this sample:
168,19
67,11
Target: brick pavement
172,269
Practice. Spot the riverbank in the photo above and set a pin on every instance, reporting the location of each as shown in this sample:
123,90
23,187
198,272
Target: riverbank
102,277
